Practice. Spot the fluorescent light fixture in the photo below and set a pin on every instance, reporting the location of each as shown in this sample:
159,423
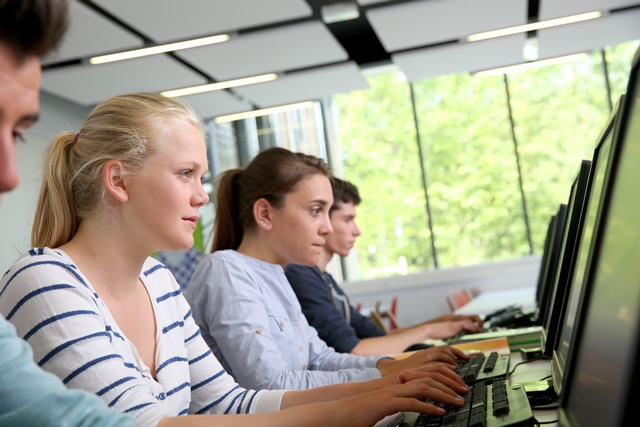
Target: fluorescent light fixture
339,12
534,26
530,49
220,85
263,112
159,49
530,65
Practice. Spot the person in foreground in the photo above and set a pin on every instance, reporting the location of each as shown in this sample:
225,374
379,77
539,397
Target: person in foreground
103,316
29,396
327,307
272,213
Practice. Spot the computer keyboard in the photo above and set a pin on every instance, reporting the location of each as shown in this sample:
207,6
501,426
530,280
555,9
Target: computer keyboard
481,367
494,403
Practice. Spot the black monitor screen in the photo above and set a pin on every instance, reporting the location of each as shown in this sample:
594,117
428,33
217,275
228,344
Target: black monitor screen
544,264
565,259
594,191
549,274
601,387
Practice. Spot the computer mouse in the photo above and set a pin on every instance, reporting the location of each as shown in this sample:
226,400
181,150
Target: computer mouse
418,346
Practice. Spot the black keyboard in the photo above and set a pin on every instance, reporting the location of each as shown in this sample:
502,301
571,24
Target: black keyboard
494,403
481,367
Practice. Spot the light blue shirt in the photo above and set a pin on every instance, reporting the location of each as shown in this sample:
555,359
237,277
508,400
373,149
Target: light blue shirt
251,319
30,396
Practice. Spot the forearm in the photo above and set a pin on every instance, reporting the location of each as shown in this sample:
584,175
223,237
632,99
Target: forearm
328,393
392,343
311,415
295,418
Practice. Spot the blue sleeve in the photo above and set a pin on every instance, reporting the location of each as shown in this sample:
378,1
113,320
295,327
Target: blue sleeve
315,298
31,396
364,327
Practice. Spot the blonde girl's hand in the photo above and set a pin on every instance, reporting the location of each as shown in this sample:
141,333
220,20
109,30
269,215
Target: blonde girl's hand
404,395
444,354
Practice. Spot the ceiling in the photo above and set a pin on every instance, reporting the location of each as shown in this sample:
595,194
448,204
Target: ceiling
312,59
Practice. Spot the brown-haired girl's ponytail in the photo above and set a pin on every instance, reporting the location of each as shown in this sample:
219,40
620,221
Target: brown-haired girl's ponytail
228,229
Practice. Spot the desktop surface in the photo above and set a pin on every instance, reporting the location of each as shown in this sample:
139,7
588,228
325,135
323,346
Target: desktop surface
490,301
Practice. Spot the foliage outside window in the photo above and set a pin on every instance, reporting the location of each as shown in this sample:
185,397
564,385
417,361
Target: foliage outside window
472,171
380,155
470,159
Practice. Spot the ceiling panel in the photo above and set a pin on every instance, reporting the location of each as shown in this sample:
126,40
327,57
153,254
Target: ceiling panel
556,8
589,35
280,49
305,85
170,20
460,58
368,2
90,84
213,104
423,23
90,34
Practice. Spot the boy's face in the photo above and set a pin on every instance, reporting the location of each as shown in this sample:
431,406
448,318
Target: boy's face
19,104
345,229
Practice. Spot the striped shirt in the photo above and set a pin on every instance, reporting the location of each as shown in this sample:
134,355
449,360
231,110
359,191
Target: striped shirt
74,336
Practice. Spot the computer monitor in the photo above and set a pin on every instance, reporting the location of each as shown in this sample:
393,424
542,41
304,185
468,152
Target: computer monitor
550,262
562,352
565,259
600,388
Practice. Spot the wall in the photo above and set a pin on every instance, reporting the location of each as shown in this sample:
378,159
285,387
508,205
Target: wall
421,296
18,206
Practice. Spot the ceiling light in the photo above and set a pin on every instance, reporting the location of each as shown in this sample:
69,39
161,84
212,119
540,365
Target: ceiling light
159,49
530,65
338,12
220,85
263,112
535,26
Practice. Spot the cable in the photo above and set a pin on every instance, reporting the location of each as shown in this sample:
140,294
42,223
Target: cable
538,423
525,361
545,408
546,378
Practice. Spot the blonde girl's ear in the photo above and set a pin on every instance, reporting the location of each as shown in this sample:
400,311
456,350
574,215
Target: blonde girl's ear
262,213
112,176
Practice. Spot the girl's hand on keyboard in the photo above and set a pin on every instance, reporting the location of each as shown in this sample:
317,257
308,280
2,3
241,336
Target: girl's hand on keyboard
444,354
410,396
438,372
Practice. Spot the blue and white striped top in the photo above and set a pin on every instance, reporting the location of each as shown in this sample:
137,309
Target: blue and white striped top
73,335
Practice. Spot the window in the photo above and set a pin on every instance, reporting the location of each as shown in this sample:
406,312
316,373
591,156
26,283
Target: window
558,112
477,170
472,171
491,147
380,156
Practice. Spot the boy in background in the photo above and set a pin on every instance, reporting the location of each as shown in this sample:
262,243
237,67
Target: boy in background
328,309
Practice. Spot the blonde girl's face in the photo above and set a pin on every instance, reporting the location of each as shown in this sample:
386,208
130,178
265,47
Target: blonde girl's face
165,196
300,227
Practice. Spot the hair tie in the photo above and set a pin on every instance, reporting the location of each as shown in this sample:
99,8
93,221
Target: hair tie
76,137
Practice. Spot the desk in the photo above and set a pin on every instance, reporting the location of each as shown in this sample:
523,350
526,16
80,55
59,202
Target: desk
531,372
488,302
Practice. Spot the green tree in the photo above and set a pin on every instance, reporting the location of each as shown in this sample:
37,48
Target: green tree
380,155
472,171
